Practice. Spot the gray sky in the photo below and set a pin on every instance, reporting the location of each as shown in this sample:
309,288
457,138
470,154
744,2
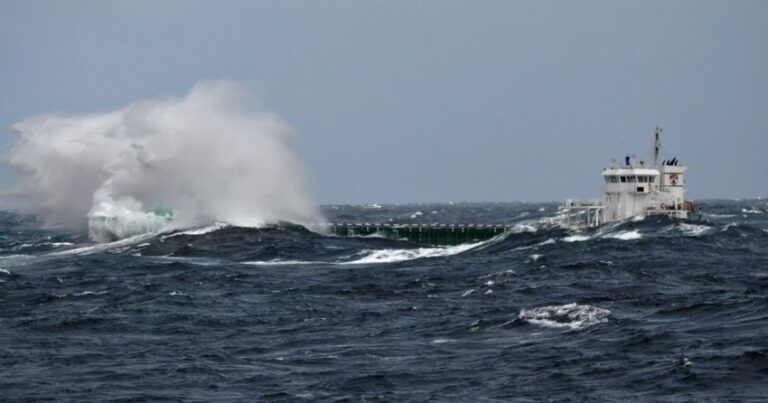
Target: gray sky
414,101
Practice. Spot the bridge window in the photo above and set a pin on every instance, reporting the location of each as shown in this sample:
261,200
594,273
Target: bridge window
611,179
631,179
623,179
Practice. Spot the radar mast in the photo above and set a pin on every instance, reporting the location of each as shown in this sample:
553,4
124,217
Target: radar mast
656,145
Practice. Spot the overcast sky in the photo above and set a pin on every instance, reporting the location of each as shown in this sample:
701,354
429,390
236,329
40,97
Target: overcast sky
416,101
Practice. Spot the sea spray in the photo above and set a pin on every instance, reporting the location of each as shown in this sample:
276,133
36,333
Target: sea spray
208,157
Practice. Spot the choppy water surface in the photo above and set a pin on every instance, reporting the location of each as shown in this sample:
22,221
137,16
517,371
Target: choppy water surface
646,310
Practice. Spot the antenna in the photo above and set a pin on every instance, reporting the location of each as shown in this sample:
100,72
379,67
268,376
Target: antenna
656,145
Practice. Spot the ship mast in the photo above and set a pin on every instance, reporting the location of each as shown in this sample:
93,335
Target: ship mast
656,146
656,152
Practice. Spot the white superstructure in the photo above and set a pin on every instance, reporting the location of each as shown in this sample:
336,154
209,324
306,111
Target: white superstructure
634,189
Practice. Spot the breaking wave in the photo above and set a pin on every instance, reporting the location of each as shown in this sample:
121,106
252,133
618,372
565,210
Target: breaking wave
572,316
399,255
162,163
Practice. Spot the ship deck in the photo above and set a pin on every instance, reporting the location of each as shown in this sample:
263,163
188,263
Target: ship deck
423,234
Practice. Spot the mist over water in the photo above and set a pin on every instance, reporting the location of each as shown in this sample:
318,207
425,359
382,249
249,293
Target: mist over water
211,156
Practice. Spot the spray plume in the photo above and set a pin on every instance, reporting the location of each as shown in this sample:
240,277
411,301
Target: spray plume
208,157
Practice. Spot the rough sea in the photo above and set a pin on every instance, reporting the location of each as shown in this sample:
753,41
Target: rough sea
643,310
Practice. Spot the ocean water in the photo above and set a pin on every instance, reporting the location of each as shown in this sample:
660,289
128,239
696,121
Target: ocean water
644,310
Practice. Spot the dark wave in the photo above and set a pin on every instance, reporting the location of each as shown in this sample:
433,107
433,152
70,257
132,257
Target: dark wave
644,310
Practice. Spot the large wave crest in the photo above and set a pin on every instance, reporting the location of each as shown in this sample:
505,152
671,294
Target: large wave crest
210,156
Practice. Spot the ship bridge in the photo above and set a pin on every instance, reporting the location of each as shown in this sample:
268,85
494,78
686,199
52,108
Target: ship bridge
635,189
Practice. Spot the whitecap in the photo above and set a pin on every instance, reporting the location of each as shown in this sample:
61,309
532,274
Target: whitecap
5,271
400,255
535,257
572,316
468,292
417,214
499,273
576,238
549,241
693,229
205,230
751,211
51,244
100,247
521,228
380,256
625,235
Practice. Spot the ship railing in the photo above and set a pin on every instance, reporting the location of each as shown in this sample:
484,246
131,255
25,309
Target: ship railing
581,213
688,206
581,203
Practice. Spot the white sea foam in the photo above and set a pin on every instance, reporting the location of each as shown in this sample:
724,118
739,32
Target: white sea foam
100,247
399,255
5,271
507,272
549,241
572,316
205,230
377,256
198,231
210,156
751,211
535,257
693,229
51,244
625,235
576,238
